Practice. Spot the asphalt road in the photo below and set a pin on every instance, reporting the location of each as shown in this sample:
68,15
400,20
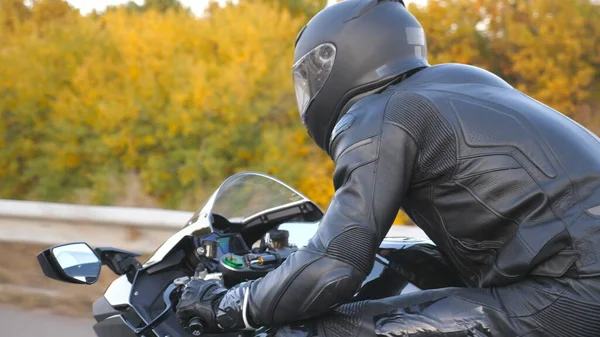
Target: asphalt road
17,323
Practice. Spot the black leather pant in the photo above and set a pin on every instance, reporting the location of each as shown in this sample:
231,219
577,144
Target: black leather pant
534,307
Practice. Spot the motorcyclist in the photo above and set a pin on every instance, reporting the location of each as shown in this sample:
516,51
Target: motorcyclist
507,188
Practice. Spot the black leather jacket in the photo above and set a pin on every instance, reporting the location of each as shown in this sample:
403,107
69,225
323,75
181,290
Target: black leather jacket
504,185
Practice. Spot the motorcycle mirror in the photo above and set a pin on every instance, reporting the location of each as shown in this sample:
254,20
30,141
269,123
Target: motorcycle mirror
299,233
72,263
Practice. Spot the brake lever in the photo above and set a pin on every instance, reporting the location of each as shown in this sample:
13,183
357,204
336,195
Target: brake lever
195,325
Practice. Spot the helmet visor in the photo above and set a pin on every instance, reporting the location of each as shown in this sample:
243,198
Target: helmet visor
310,74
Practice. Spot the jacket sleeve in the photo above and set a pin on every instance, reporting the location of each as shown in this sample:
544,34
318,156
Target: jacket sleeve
374,161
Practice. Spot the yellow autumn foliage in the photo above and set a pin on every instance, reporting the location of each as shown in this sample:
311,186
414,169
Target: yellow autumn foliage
167,104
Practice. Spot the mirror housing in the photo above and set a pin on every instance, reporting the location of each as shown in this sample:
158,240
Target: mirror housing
72,263
121,262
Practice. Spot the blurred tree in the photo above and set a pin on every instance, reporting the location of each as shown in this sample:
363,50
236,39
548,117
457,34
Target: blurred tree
451,31
34,70
45,11
170,105
129,6
157,5
150,96
542,47
162,5
308,8
12,13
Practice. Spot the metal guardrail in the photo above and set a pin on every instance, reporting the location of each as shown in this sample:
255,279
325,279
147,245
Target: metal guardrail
136,229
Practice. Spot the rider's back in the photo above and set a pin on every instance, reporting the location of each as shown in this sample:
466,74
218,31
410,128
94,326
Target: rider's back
504,184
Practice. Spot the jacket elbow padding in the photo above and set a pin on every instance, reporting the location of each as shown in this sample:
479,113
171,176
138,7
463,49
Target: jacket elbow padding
323,285
329,278
356,246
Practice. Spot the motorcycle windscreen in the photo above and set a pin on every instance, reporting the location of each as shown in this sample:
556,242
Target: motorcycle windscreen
248,195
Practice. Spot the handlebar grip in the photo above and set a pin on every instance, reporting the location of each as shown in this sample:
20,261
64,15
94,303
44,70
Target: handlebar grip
196,327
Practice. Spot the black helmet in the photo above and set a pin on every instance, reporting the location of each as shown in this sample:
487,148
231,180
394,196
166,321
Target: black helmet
349,50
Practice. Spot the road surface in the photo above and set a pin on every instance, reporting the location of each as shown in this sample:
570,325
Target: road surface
18,323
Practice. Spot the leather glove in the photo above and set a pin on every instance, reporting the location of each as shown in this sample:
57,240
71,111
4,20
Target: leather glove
200,299
230,312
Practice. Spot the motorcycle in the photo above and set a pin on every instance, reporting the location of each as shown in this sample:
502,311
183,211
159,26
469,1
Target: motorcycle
248,227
